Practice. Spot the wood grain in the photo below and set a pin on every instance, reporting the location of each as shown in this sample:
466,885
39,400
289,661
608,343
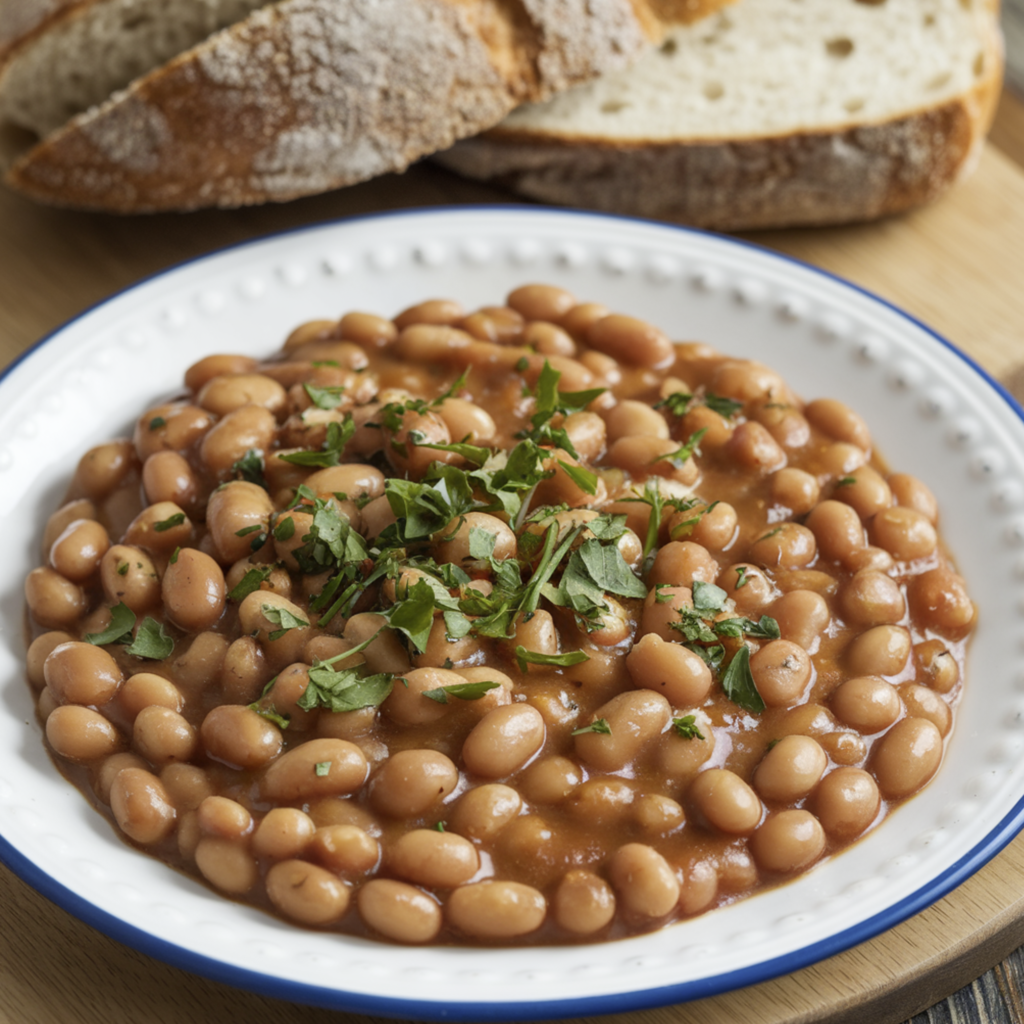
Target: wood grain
957,266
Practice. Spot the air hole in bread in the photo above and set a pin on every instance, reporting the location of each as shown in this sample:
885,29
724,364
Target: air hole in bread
613,106
871,3
929,20
853,105
841,47
713,90
939,81
979,65
669,47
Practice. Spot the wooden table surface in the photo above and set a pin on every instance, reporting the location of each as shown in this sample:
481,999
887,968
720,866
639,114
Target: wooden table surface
958,265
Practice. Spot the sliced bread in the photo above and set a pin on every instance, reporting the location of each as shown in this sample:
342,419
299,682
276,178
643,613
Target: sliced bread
292,98
81,52
769,113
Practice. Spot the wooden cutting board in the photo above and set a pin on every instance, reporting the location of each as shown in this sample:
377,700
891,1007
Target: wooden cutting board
958,266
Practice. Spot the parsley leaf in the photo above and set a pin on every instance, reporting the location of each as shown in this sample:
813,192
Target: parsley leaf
600,726
250,468
686,451
283,618
464,691
250,582
122,621
687,727
169,523
338,435
738,682
325,398
525,657
271,714
344,690
152,641
725,407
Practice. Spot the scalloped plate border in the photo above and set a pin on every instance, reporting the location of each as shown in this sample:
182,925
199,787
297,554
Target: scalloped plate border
933,411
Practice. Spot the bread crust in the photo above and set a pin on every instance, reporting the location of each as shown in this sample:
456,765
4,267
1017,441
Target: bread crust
816,177
308,95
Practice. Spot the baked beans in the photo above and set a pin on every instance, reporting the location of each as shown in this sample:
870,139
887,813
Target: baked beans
521,624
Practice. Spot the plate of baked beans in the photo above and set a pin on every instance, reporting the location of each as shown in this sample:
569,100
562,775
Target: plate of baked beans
505,613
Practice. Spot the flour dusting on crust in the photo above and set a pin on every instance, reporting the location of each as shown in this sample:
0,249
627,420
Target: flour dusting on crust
308,95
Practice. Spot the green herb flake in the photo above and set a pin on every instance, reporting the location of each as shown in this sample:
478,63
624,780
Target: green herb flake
122,569
738,682
463,691
250,468
725,407
345,689
284,529
270,713
677,403
440,826
157,422
525,657
521,364
174,555
329,454
684,452
325,398
600,726
169,523
322,768
122,622
687,727
250,582
282,617
152,641
742,579
707,597
846,481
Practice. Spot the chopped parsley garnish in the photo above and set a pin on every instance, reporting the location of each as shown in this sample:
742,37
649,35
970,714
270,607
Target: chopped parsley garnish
329,453
250,468
157,422
687,727
738,682
250,582
152,641
271,714
464,691
325,398
525,657
340,690
122,622
600,726
679,403
169,523
282,617
285,529
322,768
702,628
549,403
684,452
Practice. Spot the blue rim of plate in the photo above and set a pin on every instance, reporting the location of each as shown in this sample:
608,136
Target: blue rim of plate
995,840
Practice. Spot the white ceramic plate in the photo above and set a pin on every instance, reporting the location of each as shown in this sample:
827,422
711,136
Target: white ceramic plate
933,412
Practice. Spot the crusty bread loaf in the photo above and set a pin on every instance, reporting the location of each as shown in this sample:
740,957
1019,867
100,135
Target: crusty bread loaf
299,96
84,51
770,113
